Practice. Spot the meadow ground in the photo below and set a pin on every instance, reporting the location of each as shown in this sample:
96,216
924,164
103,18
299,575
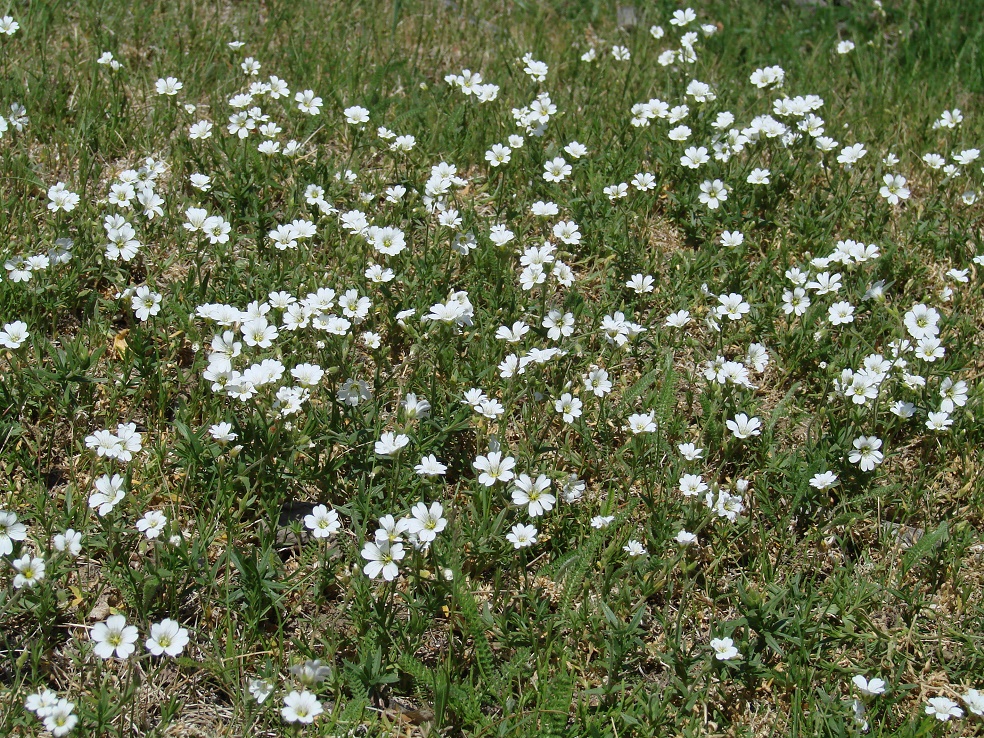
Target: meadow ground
491,369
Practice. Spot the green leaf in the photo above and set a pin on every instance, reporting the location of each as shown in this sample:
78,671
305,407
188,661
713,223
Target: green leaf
924,546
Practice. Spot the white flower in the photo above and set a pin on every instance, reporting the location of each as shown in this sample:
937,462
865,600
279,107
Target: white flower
850,155
307,375
795,301
567,231
62,199
690,452
572,488
644,181
558,324
14,335
170,86
974,699
425,522
489,408
145,303
528,491
129,441
724,649
921,321
825,282
713,193
682,17
30,571
741,426
823,480
929,349
260,689
678,319
597,382
642,422
640,283
308,102
429,466
869,687
152,524
866,453
694,157
537,70
576,150
109,491
498,154
200,130
620,53
222,432
569,406
732,306
556,170
69,542
494,468
692,485
113,637
966,157
322,522
10,531
954,394
845,47
757,356
167,637
840,313
904,410
522,535
940,421
301,707
680,133
634,549
894,188
700,91
943,709
382,557
759,176
389,444
685,538
513,334
356,115
41,703
8,26
60,718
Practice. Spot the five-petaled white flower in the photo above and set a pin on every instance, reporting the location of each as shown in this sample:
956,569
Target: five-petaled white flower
533,492
742,426
943,708
301,707
322,522
522,535
869,687
866,453
382,556
724,649
113,637
167,638
426,522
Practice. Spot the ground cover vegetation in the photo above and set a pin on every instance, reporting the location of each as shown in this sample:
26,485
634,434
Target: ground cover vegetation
491,369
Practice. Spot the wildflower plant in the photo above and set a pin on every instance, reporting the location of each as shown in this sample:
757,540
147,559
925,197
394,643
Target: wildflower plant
587,377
